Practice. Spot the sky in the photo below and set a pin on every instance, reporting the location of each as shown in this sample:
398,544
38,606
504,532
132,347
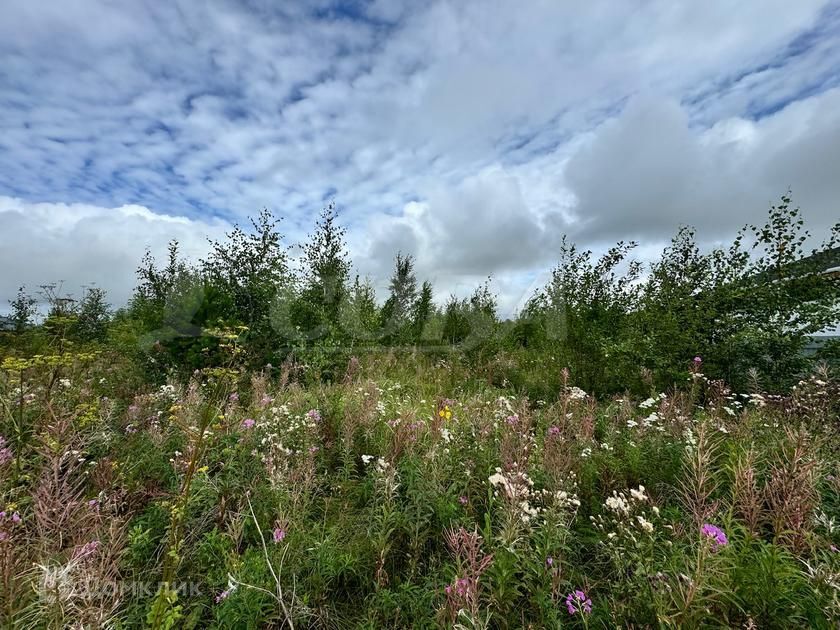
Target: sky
470,134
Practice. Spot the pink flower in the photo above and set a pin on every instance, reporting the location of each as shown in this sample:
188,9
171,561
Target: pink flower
93,503
314,415
222,596
698,360
234,397
279,534
463,500
549,561
86,550
5,452
15,518
715,534
578,602
248,423
553,431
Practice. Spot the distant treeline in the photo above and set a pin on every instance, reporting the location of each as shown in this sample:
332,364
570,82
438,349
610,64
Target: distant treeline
746,310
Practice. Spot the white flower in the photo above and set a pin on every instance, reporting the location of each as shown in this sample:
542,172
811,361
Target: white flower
639,495
645,524
617,504
367,459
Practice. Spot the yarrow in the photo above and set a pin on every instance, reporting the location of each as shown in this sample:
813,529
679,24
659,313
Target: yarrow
715,534
578,602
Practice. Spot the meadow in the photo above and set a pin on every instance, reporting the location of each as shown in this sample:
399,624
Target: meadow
239,448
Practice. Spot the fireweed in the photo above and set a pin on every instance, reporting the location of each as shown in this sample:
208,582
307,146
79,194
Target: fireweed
370,508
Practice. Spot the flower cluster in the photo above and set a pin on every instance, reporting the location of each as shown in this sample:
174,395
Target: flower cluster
715,534
578,602
5,452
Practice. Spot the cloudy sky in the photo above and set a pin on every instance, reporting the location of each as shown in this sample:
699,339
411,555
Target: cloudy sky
472,134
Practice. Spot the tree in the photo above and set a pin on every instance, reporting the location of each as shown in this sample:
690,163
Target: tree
92,315
397,310
249,267
24,309
423,310
327,264
359,317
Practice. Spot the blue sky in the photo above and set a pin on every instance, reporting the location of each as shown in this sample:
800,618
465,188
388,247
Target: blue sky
473,134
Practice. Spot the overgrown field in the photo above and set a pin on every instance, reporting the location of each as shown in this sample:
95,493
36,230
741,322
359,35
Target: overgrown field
412,492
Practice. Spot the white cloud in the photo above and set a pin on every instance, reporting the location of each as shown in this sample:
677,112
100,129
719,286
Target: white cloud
79,244
470,133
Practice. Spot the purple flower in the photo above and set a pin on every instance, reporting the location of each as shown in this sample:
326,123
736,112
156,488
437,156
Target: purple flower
279,534
463,500
549,561
234,397
553,431
248,423
715,534
93,503
15,518
222,596
698,360
578,602
314,415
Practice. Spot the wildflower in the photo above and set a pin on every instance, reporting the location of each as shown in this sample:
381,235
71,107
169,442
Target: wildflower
93,503
248,423
578,602
231,587
314,415
697,360
15,518
5,452
86,550
367,459
645,524
549,561
463,500
445,413
234,397
279,534
617,504
715,534
553,431
638,495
